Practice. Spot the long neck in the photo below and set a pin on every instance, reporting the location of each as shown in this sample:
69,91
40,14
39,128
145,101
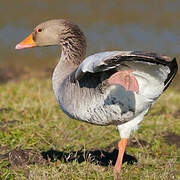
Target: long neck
73,45
61,72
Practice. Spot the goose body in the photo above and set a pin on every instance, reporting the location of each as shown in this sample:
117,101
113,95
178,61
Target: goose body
86,94
113,87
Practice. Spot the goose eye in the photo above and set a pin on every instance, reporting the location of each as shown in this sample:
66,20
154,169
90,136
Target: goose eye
39,30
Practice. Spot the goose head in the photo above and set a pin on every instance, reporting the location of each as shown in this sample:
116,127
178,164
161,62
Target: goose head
58,32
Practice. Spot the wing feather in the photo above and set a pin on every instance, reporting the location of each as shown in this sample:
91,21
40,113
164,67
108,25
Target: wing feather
111,59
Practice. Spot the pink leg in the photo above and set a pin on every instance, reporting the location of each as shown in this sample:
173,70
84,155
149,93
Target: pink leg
121,146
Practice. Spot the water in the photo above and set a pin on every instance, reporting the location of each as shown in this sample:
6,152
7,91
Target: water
108,25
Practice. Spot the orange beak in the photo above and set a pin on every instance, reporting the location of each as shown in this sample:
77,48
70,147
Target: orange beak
26,43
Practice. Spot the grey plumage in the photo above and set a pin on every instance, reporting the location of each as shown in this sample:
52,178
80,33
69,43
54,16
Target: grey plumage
82,89
116,87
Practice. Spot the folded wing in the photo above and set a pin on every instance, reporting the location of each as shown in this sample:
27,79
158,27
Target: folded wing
147,74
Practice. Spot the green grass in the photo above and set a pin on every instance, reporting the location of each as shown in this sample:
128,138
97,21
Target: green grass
30,118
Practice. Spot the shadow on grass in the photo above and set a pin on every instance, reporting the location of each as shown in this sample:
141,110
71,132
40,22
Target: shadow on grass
22,157
99,157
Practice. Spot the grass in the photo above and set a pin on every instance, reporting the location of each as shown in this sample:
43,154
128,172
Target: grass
32,128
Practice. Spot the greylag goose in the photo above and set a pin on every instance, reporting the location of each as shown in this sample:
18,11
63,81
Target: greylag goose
113,87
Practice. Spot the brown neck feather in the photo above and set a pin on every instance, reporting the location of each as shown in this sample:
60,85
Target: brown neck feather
73,44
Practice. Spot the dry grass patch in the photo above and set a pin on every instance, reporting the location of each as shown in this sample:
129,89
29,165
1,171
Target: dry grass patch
38,141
